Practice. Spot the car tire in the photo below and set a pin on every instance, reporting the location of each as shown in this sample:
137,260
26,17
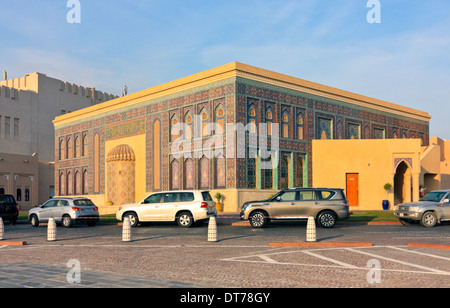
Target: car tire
326,219
258,219
34,221
67,221
185,219
429,220
134,220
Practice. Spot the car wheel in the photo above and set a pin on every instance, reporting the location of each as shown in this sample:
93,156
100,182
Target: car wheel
134,220
67,221
185,219
258,219
34,221
429,220
326,219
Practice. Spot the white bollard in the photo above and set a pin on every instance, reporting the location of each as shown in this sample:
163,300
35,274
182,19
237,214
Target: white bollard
212,229
311,230
51,230
126,230
2,230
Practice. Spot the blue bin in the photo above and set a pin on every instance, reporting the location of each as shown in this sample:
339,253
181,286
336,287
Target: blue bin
385,205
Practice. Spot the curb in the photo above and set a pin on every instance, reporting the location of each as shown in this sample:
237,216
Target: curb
318,244
7,243
369,223
432,246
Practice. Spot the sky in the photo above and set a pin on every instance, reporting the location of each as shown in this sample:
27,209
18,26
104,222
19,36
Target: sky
404,59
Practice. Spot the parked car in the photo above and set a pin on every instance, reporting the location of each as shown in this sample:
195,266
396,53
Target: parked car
326,205
430,210
67,211
9,209
184,207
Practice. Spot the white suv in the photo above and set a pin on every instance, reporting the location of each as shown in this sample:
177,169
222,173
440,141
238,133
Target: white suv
184,207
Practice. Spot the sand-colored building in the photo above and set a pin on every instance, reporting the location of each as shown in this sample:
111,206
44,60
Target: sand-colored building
28,106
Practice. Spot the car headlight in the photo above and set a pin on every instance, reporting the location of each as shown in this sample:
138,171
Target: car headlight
245,206
414,208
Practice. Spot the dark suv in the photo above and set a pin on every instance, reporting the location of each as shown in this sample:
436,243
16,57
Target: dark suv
326,205
9,209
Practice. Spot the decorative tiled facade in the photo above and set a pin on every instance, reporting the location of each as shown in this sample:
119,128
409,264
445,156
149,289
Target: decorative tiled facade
301,116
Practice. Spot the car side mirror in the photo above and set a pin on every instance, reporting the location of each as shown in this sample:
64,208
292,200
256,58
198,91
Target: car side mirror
446,201
278,199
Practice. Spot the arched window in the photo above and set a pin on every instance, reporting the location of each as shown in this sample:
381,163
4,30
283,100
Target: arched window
62,184
19,194
205,119
2,190
189,120
85,182
269,121
284,173
85,145
77,147
27,194
174,129
220,172
252,119
300,127
175,172
285,125
78,183
204,173
268,172
220,120
62,149
300,172
69,183
69,148
189,173
251,172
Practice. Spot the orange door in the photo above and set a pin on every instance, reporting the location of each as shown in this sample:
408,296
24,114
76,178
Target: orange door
352,189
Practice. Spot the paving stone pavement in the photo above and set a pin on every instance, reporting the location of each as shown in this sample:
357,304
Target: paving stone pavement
20,275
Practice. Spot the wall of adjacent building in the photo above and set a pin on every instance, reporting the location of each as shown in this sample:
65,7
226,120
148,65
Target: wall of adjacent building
375,162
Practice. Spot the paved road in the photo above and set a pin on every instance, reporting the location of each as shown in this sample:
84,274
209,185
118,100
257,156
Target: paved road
164,255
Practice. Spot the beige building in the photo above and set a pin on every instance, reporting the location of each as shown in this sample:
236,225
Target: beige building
363,167
28,106
435,165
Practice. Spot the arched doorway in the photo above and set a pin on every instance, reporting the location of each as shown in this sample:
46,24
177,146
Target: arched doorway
402,183
121,175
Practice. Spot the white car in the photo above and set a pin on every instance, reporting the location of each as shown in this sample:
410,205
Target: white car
184,207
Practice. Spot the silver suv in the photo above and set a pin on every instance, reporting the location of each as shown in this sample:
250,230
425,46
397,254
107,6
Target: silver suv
184,207
326,205
430,210
67,211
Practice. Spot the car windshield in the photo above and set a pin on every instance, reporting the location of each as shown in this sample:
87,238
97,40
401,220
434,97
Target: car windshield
273,197
6,199
434,196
